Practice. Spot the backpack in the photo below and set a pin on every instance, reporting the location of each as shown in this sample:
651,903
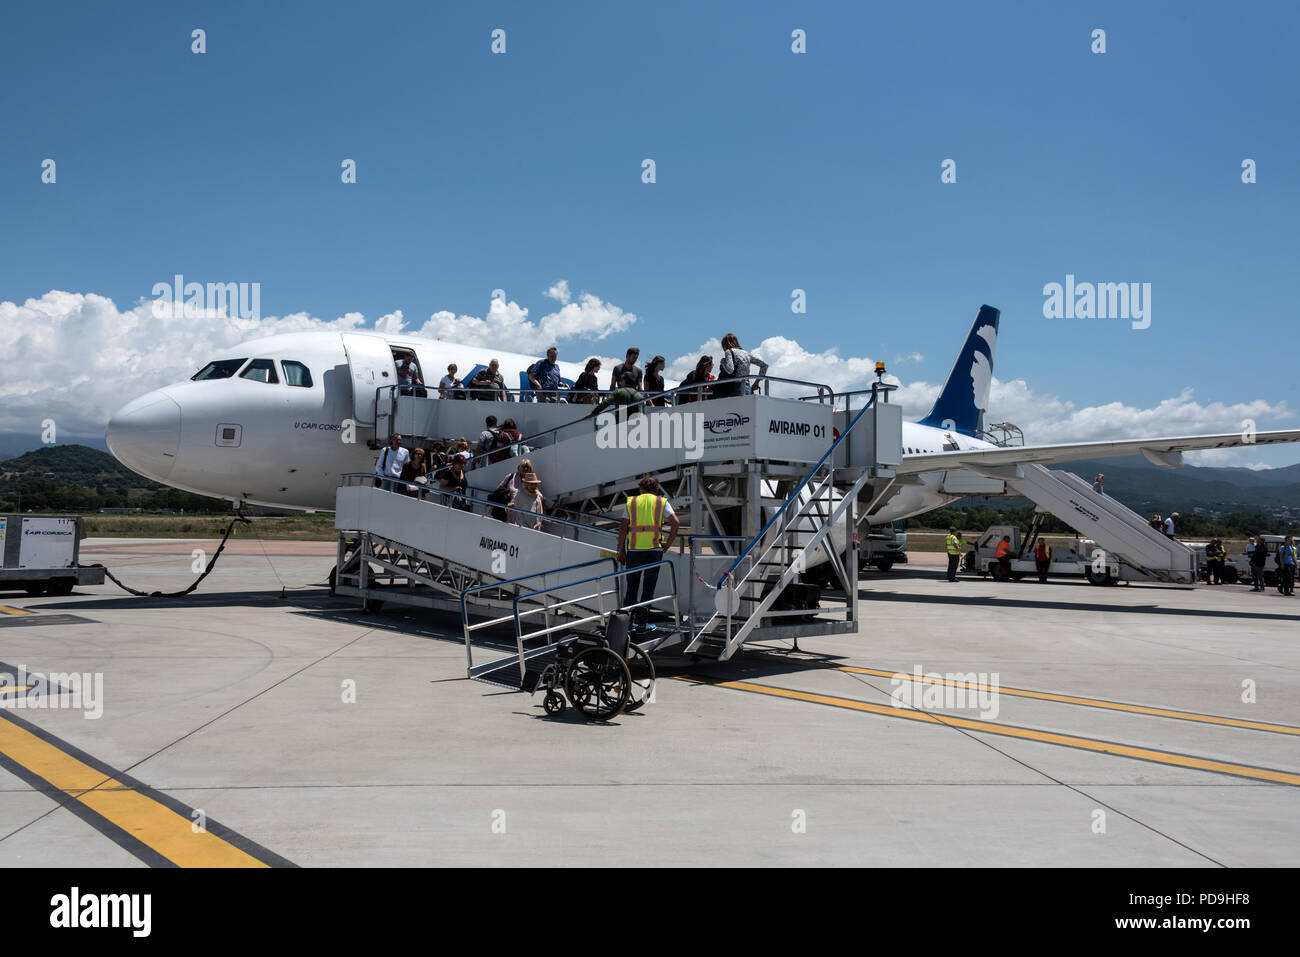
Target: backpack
501,443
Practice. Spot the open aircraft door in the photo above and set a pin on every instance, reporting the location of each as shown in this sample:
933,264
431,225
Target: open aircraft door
370,361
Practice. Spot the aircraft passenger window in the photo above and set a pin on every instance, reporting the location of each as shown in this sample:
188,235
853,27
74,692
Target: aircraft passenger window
295,373
218,369
261,370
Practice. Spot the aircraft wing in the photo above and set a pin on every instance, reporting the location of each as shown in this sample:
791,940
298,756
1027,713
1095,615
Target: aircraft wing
1161,451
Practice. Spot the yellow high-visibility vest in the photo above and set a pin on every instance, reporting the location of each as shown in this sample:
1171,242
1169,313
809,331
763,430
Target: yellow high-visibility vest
954,545
645,514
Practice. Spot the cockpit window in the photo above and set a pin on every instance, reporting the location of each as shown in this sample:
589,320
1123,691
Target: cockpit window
295,373
261,370
218,369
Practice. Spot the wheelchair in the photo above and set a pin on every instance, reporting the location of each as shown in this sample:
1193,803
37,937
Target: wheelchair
602,677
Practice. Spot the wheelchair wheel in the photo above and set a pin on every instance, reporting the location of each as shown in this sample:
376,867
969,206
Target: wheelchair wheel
642,672
597,683
553,703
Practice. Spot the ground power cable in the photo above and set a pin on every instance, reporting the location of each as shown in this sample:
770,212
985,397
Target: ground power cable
212,562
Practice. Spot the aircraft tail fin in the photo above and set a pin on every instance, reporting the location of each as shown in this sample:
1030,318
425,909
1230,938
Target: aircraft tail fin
965,396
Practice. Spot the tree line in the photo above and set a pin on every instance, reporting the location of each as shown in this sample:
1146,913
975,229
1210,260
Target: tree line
45,495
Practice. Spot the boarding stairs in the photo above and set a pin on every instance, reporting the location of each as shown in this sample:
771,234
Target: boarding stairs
1116,529
754,513
416,549
755,589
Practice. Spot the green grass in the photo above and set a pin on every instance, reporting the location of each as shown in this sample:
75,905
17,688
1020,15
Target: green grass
312,528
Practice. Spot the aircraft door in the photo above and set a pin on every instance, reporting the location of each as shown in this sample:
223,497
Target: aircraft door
370,360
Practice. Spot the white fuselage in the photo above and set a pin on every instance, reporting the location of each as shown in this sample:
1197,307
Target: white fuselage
926,493
290,444
287,445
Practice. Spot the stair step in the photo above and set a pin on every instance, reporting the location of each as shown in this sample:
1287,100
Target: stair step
710,647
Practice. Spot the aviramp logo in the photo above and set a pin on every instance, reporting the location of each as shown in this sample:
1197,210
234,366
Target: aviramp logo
732,420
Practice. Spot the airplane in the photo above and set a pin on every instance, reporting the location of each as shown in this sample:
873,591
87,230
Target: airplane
260,423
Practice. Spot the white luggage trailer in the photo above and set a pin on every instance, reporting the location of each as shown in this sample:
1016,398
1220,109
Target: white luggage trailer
39,553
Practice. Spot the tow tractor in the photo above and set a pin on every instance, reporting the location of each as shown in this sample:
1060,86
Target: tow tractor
1080,557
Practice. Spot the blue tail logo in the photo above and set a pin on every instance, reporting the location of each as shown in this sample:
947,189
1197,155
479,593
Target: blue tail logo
965,396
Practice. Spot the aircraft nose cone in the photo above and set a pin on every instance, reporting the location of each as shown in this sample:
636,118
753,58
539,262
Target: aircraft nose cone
145,434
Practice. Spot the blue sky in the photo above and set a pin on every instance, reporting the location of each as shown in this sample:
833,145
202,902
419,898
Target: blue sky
775,171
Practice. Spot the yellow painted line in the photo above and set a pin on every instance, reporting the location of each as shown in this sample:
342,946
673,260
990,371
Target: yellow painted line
139,815
1011,731
11,610
14,689
1072,699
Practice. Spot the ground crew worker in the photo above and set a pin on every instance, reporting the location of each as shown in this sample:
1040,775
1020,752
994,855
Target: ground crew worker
641,542
1257,559
1214,555
954,545
1042,559
1003,556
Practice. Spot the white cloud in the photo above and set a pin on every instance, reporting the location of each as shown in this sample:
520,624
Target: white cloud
506,324
1219,458
77,358
789,360
559,292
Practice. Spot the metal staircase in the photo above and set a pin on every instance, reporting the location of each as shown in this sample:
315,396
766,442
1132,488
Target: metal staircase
1116,529
755,517
761,576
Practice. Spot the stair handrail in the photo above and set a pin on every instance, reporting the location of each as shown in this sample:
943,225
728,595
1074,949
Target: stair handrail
722,580
425,491
466,627
644,404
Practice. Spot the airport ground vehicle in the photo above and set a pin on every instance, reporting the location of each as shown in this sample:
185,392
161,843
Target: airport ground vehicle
1237,566
1079,557
39,554
884,547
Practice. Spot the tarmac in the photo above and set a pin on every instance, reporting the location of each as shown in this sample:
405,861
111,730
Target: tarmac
1132,725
